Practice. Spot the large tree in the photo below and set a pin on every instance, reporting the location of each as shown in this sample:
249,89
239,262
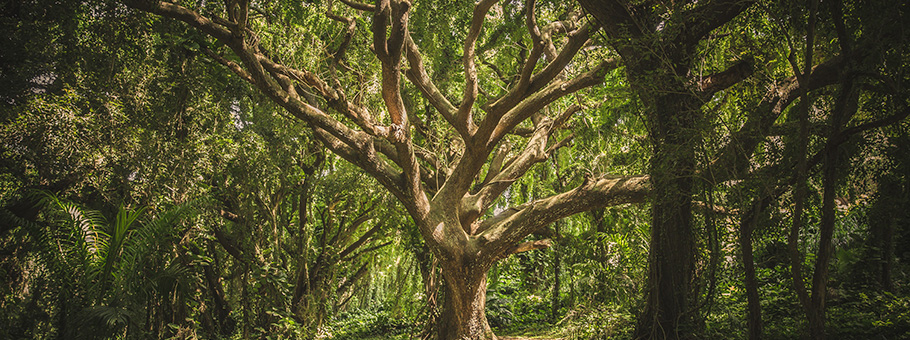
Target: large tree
449,198
659,43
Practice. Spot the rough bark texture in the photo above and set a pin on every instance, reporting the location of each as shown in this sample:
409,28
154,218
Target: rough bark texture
672,256
463,314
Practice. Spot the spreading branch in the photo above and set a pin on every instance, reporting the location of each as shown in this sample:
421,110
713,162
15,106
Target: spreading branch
513,224
733,159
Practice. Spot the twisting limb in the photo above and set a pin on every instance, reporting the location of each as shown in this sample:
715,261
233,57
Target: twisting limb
467,167
238,12
384,174
535,151
417,74
707,16
733,159
842,137
364,251
716,82
389,52
577,39
547,95
348,34
510,226
463,115
524,77
560,144
234,67
497,162
530,245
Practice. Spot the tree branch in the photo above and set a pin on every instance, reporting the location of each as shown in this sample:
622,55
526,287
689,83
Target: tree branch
535,151
554,91
359,6
733,159
417,74
577,39
530,245
463,115
708,16
360,241
514,224
367,250
524,77
234,67
716,82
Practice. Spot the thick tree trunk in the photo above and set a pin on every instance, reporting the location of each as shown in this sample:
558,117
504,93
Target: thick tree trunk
671,261
667,313
463,313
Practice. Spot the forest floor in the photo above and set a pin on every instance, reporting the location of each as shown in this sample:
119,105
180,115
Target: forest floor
537,334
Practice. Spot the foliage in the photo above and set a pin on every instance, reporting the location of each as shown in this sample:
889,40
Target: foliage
367,324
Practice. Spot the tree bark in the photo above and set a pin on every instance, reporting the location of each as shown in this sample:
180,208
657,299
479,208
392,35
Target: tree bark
225,324
671,261
844,109
463,316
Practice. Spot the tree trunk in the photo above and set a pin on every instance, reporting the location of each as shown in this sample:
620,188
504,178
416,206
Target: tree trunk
882,251
671,260
747,226
463,313
430,273
554,312
225,324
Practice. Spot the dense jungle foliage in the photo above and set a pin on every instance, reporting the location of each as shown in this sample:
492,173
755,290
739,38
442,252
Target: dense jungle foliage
437,169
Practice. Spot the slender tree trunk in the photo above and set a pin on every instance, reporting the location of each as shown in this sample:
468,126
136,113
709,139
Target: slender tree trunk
882,251
825,250
463,314
554,313
747,226
844,109
225,324
800,190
